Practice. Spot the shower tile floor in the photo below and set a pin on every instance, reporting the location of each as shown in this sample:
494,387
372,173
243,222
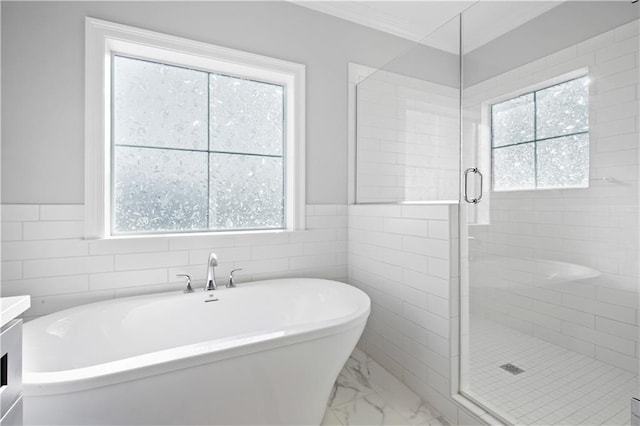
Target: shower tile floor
558,386
367,394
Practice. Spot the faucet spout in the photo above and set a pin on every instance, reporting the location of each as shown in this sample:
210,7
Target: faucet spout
211,273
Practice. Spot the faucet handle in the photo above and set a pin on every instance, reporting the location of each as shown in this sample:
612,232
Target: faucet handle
188,289
232,284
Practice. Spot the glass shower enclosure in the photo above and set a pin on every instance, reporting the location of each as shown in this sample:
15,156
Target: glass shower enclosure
517,125
549,212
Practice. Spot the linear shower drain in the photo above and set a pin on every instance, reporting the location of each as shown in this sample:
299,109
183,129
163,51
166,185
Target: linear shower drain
512,369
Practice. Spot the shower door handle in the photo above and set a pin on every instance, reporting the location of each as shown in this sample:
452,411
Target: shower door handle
473,170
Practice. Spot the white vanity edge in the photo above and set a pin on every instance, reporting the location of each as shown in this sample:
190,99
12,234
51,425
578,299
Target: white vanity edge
11,307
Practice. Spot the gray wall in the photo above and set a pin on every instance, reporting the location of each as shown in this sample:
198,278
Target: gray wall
43,81
561,27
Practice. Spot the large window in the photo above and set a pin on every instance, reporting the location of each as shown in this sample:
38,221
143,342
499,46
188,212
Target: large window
540,140
195,150
190,137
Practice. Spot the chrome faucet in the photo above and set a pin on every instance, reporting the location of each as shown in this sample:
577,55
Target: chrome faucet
211,273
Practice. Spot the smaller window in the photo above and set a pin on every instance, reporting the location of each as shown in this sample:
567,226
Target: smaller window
540,140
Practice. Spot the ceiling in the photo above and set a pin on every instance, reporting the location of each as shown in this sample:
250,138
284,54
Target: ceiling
426,21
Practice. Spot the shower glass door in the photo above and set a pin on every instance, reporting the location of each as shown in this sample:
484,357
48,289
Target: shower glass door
549,211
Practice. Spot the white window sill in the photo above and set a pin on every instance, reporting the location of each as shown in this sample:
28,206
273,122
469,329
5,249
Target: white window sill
198,234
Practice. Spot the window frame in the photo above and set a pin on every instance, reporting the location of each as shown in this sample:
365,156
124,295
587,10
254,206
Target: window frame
555,81
105,39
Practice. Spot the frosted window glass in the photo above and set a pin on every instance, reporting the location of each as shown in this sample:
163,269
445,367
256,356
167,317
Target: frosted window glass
514,167
563,109
159,105
246,192
246,116
159,190
513,121
557,154
564,162
168,124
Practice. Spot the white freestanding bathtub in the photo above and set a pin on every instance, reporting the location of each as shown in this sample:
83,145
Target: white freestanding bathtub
267,352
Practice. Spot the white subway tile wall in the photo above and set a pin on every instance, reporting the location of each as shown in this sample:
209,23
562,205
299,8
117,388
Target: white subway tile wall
44,255
402,256
405,129
592,310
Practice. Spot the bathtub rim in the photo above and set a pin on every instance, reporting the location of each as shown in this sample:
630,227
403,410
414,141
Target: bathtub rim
187,356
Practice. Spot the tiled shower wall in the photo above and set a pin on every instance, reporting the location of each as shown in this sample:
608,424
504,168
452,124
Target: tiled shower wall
405,129
405,258
595,228
44,255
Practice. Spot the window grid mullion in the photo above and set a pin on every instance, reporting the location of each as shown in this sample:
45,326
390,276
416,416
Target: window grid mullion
493,174
167,148
535,139
112,148
540,140
209,227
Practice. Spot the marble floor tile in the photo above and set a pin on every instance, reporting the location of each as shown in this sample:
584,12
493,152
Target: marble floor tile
369,410
367,394
330,419
405,401
352,383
